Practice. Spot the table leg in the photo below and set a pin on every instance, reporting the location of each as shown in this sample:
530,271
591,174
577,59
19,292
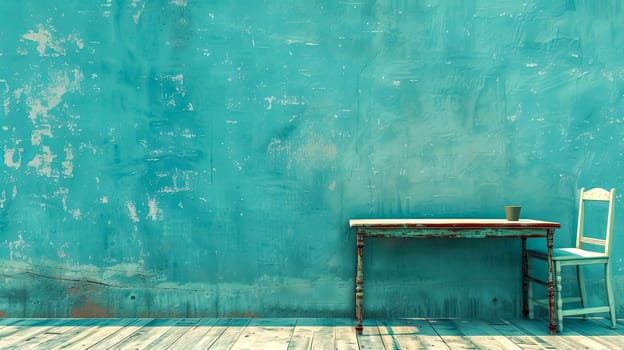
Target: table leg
525,279
552,325
359,283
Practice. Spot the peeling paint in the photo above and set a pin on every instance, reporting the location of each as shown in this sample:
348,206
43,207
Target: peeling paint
332,186
16,247
269,101
154,213
181,3
6,103
47,45
67,164
51,96
43,38
141,7
13,157
43,162
132,212
37,135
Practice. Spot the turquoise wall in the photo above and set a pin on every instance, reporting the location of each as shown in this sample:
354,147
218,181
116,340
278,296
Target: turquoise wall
203,158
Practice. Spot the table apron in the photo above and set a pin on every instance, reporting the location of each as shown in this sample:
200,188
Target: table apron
452,233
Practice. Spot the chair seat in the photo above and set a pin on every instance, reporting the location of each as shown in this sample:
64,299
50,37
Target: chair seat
567,254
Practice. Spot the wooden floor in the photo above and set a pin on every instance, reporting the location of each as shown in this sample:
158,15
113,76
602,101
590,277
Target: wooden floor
303,334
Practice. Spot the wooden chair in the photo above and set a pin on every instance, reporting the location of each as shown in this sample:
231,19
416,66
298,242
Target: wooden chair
582,254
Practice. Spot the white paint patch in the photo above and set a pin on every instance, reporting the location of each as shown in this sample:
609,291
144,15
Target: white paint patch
292,100
9,157
270,100
179,82
531,65
37,134
137,16
108,3
132,212
153,210
180,182
47,45
16,247
43,38
61,251
62,82
332,185
181,3
62,192
77,40
188,134
43,162
76,213
3,199
275,147
7,101
68,164
104,200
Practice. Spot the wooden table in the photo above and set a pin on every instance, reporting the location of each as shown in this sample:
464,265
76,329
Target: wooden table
457,228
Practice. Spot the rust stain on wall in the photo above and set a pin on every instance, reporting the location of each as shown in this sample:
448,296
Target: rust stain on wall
73,290
89,310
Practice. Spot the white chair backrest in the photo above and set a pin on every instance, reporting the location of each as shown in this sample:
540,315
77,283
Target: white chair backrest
601,195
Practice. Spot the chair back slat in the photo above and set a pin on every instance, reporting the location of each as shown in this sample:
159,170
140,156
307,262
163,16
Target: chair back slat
594,241
595,194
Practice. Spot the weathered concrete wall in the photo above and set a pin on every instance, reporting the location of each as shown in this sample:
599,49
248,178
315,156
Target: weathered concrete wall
202,158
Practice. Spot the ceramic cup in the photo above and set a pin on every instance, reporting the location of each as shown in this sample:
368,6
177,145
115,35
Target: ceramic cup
512,212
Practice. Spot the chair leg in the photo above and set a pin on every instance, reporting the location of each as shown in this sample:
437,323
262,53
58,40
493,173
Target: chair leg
558,300
580,277
610,295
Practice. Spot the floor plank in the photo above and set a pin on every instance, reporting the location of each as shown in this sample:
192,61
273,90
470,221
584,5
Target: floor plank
111,337
483,336
270,333
32,334
20,325
313,334
409,334
175,332
516,336
565,340
144,337
346,337
598,331
451,335
202,335
370,338
62,331
305,334
93,335
231,334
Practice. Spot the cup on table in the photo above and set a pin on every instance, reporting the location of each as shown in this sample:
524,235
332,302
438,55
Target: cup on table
512,212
